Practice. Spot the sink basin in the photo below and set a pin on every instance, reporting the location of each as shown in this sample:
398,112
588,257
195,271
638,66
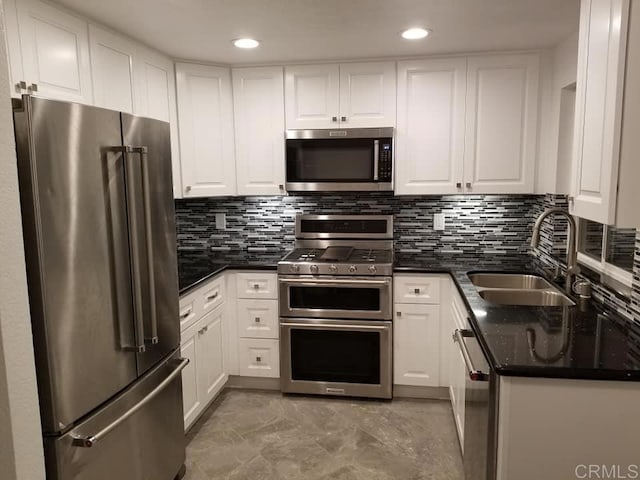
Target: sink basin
542,298
509,280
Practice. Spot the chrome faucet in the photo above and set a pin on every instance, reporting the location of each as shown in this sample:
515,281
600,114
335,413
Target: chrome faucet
572,244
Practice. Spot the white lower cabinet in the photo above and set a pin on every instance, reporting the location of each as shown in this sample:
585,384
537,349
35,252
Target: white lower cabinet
457,368
416,345
203,343
259,357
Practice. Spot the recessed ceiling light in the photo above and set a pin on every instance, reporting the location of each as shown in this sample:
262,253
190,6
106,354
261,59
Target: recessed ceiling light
415,33
246,43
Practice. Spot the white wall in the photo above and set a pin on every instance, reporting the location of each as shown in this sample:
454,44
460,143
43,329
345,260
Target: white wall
563,62
21,455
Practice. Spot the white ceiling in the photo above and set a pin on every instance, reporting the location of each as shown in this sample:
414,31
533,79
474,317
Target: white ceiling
298,30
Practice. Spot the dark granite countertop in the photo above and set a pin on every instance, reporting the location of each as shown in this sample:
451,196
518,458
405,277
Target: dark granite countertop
556,342
569,343
197,266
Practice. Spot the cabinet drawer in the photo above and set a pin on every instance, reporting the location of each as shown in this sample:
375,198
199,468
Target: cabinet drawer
212,294
459,311
190,311
257,285
258,318
416,289
259,357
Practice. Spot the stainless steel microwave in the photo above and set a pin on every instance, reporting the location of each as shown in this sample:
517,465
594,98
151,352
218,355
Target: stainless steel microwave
357,159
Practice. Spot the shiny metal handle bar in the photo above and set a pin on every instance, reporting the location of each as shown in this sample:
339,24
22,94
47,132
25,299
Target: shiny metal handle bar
88,441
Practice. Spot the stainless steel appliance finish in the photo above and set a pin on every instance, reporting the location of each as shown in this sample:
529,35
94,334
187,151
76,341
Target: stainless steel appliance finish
100,246
358,159
383,331
335,292
481,407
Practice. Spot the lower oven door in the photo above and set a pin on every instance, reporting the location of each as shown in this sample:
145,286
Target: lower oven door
336,357
335,297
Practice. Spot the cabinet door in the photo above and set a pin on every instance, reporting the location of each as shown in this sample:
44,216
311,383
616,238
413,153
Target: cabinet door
368,94
416,345
258,102
192,402
112,70
14,52
501,123
155,87
459,377
430,134
599,95
312,96
212,375
206,130
55,52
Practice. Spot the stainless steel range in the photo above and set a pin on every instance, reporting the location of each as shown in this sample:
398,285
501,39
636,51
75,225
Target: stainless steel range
336,306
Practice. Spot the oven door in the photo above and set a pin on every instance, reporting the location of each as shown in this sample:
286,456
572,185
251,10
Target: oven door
336,357
336,297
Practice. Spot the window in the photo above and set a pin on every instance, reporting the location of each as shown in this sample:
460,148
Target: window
608,251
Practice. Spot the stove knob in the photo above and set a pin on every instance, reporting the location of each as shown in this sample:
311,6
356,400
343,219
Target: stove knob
353,269
372,269
295,268
333,268
313,268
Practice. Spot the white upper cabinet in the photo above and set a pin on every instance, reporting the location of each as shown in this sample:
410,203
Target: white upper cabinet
54,50
155,95
312,98
501,123
205,114
429,148
258,101
112,68
347,95
368,94
606,169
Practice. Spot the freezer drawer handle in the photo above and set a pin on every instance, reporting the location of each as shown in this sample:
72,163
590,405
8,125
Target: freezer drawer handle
88,441
474,374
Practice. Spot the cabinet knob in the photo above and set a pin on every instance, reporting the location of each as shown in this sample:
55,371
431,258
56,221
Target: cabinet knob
33,87
468,184
399,314
187,188
21,85
258,359
281,187
416,291
343,119
256,286
212,297
257,319
459,185
334,119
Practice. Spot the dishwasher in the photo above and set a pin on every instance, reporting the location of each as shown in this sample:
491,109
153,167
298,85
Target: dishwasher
481,409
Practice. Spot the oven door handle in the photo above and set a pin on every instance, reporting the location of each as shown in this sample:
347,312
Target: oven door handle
338,281
329,326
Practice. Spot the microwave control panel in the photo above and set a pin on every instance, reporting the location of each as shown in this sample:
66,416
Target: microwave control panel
385,162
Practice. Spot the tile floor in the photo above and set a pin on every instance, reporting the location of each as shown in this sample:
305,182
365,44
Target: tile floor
264,435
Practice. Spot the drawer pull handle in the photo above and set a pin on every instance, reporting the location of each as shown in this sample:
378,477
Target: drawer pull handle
257,319
256,286
185,315
212,297
258,359
399,314
416,291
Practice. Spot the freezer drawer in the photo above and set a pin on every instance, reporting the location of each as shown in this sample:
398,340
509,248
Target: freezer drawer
147,445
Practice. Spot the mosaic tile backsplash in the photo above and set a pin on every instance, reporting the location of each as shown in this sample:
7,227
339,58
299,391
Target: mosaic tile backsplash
474,223
486,224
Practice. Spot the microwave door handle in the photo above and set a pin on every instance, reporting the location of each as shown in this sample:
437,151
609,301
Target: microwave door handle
376,159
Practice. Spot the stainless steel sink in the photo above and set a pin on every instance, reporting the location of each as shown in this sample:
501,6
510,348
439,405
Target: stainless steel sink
518,289
542,298
509,280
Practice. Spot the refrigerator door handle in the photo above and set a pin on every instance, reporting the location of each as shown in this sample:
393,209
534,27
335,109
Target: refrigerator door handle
148,227
88,441
134,245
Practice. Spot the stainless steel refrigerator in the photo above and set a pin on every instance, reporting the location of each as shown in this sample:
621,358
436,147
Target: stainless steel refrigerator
100,243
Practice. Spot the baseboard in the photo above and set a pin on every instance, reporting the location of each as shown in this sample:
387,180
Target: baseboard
257,383
410,391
